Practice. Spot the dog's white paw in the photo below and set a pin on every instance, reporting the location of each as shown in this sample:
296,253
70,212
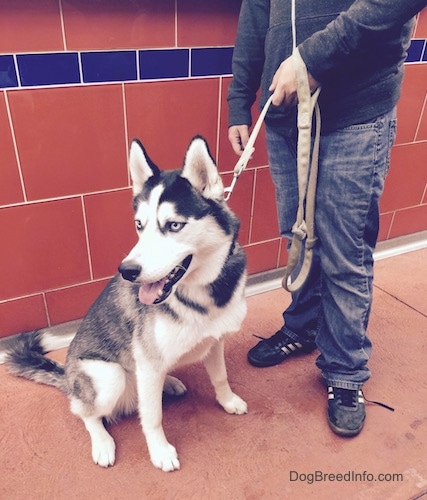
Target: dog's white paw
104,451
165,458
174,386
235,405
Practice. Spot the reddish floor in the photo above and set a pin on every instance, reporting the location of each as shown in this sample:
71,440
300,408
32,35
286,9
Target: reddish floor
274,450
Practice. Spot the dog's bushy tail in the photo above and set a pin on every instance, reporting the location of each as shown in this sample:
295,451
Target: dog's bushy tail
25,358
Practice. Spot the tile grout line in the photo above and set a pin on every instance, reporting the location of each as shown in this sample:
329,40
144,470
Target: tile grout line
251,217
400,300
61,16
18,74
65,197
89,256
46,308
126,131
82,83
218,126
424,196
79,59
138,66
56,289
390,227
15,147
176,23
281,242
420,119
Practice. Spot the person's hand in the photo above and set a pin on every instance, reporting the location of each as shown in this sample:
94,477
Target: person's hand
238,135
284,85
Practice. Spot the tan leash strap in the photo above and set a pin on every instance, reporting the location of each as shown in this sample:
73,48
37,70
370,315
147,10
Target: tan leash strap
303,228
248,151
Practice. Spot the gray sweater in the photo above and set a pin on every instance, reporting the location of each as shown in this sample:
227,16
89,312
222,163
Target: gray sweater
354,48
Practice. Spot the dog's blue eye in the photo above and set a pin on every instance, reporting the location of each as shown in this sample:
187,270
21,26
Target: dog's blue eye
138,225
175,227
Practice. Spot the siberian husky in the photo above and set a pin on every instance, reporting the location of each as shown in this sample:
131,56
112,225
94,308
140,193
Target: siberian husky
176,296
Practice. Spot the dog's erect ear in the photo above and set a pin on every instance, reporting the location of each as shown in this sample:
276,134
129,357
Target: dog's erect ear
200,169
140,166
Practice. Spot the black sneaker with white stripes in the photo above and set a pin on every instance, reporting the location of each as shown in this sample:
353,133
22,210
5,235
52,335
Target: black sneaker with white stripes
346,411
277,348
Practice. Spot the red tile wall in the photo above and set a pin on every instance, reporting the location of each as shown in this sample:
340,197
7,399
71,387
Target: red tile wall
65,215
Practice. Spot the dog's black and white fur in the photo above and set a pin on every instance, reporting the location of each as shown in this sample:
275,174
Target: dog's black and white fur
179,292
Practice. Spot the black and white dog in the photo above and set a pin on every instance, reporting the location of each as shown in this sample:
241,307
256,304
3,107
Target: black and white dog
179,292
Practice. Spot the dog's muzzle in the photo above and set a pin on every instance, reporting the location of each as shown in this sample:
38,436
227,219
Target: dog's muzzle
158,291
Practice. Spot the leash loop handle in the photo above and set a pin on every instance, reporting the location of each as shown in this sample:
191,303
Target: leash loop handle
303,228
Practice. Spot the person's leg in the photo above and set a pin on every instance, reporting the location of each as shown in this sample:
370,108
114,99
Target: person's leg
301,317
352,169
302,314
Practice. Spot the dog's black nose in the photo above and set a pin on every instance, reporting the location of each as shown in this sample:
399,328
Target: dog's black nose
129,270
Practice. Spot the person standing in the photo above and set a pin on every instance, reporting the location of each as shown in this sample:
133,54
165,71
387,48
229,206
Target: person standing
354,49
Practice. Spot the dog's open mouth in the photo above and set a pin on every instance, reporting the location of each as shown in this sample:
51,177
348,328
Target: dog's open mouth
155,293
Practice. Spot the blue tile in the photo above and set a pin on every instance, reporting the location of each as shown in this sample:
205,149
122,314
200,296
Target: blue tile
211,61
7,72
415,51
425,51
115,66
48,69
169,63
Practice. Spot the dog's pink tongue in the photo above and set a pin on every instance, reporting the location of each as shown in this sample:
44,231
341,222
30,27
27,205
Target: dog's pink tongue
149,292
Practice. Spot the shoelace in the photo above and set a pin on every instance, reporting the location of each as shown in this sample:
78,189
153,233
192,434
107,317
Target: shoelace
349,398
387,407
346,397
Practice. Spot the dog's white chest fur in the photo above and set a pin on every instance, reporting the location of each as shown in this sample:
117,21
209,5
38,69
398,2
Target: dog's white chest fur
189,338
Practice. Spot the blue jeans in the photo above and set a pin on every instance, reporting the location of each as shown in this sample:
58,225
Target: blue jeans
334,304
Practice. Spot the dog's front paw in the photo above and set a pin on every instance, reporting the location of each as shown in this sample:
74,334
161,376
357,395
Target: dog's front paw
165,458
235,405
174,386
104,451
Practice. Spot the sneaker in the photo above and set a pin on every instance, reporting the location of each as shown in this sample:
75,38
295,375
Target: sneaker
346,411
272,351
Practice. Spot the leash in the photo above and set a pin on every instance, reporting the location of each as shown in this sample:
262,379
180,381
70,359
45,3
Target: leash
303,229
248,151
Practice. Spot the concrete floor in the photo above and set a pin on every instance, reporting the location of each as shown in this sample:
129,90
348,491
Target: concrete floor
283,448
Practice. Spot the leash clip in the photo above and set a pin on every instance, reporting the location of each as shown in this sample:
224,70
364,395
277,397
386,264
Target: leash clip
238,169
228,190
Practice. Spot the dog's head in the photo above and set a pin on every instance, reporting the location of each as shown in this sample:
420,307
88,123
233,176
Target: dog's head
184,227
